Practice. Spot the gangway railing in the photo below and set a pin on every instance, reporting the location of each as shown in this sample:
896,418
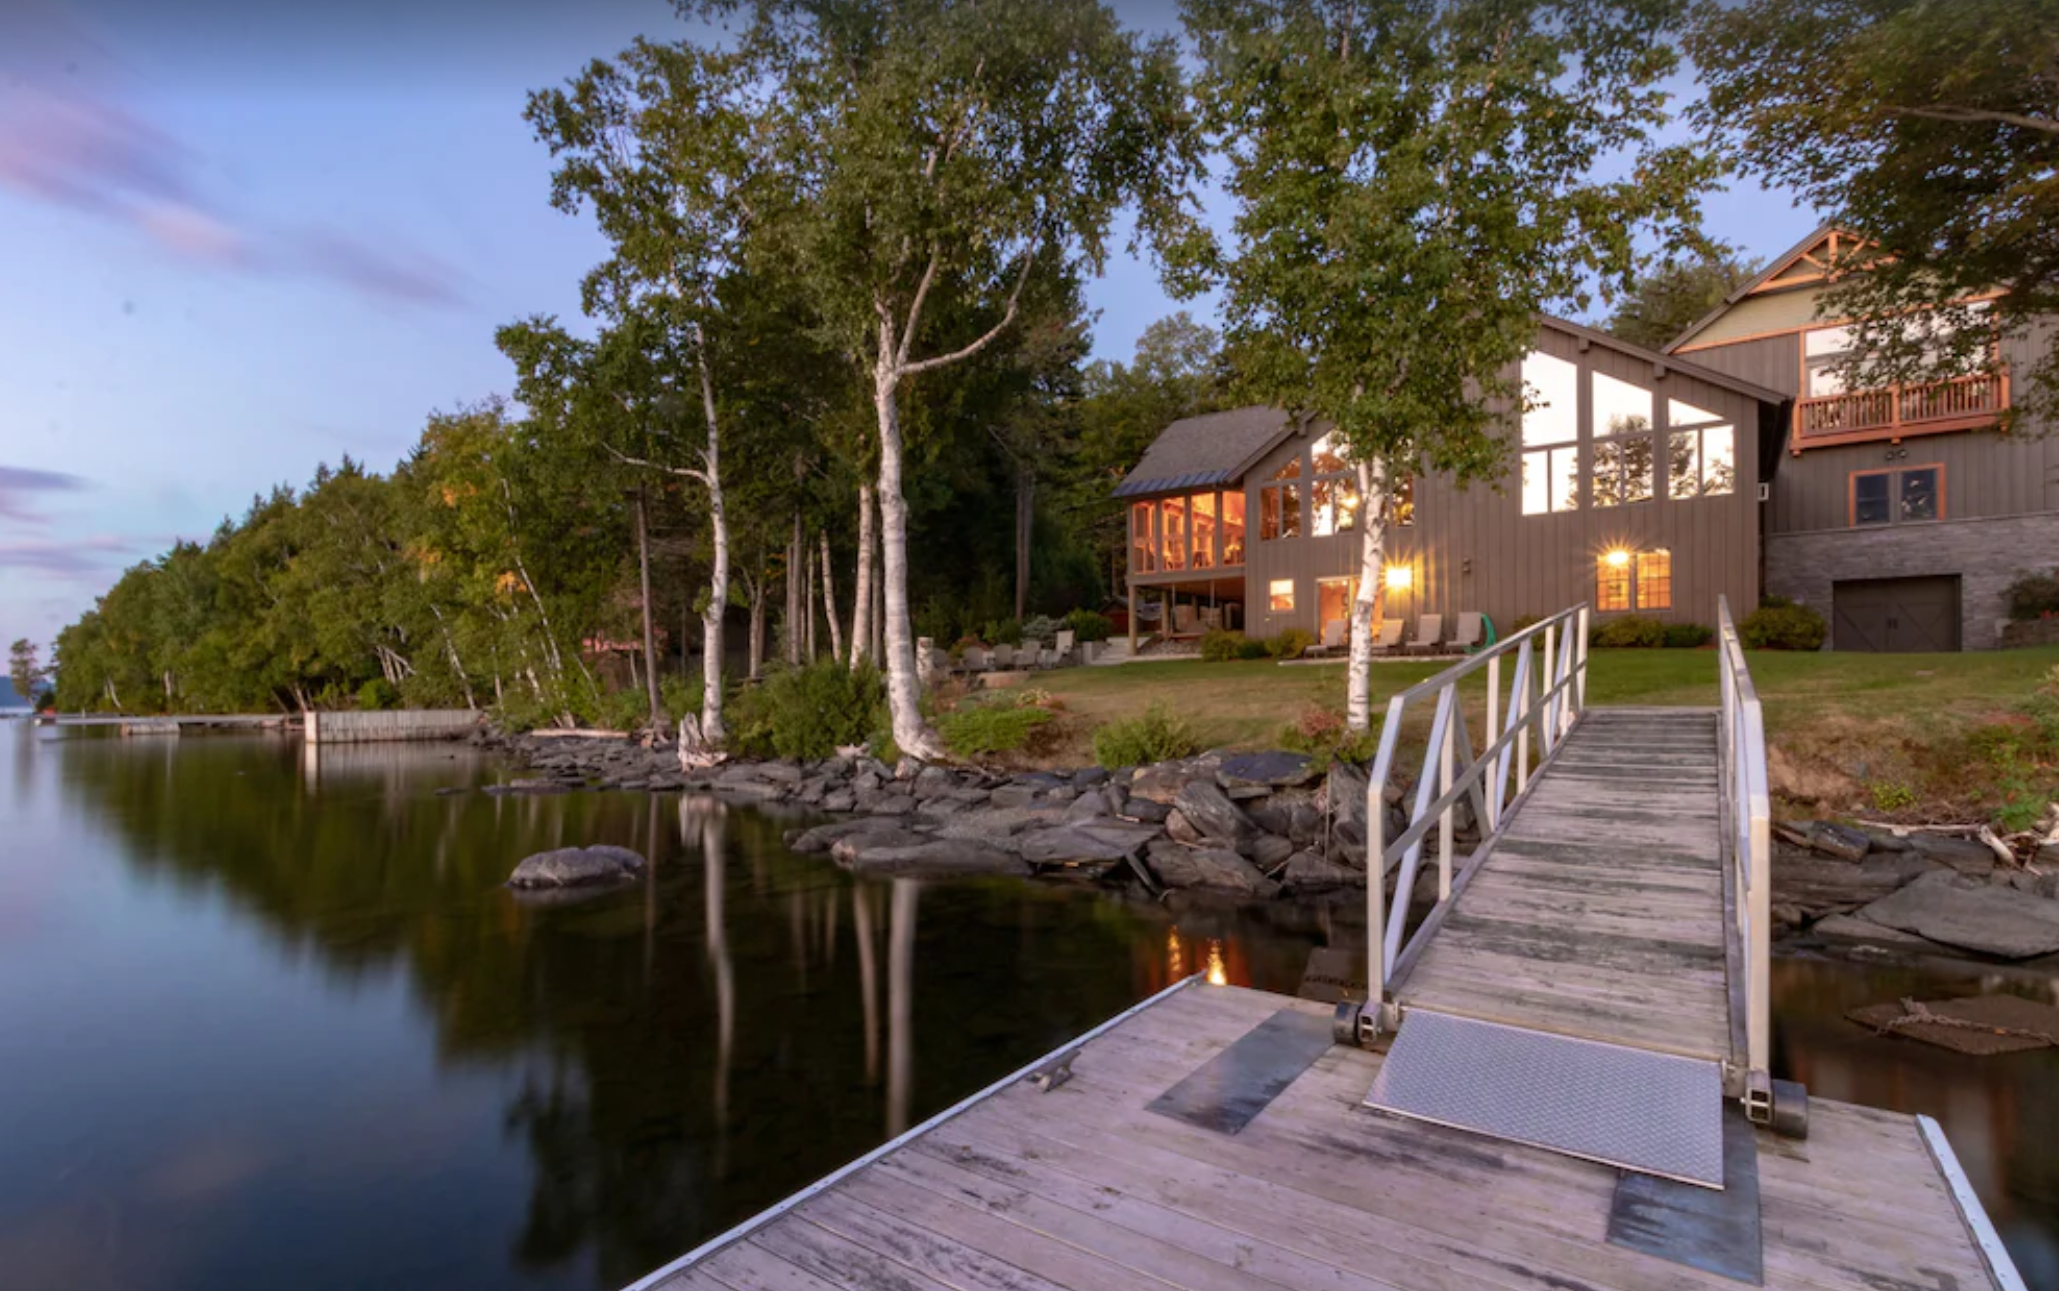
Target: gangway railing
1546,693
1748,854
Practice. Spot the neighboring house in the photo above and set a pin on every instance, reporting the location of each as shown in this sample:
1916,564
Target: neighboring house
1899,514
1634,487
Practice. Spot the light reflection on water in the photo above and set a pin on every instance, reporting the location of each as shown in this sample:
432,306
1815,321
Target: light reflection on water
269,1019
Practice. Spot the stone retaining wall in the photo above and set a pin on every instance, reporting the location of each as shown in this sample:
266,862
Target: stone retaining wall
2035,632
401,724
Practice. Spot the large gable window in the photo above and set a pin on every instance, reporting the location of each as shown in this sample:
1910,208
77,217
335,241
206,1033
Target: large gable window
1551,435
1334,491
1701,452
1279,503
1623,449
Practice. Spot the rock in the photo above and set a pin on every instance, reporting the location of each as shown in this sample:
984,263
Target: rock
812,789
737,773
566,867
1308,872
1305,823
1088,806
998,826
1063,793
1014,795
753,790
1146,810
1829,839
1788,916
823,837
940,808
867,781
780,772
1271,817
1209,810
1162,781
449,789
1089,777
1850,928
1275,770
909,853
1182,830
1964,912
1885,840
1966,855
932,781
2046,856
839,800
1216,868
1105,840
1267,851
1344,793
531,786
1818,886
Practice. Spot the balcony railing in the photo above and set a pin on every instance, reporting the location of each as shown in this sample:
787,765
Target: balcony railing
1903,410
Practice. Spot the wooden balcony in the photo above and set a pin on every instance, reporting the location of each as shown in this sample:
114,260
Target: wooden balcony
1962,403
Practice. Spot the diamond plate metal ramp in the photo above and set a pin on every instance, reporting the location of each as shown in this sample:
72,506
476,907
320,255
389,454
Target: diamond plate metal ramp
1650,1112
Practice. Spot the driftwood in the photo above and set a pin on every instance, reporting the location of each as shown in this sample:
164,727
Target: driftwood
576,733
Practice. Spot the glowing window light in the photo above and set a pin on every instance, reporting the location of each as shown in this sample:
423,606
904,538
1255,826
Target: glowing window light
1400,578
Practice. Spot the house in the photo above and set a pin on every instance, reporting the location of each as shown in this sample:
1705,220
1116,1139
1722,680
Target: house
1634,486
1733,463
1899,514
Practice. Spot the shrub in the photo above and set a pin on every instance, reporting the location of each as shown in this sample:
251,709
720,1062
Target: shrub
1780,624
1041,627
1688,636
1525,621
681,697
1006,632
1631,632
808,712
377,694
2034,596
1290,643
1250,649
624,710
1891,795
1157,736
937,619
1222,646
1323,734
1087,625
978,730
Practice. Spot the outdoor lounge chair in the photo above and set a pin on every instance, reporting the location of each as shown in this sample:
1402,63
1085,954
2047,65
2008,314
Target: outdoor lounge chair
1004,658
1335,633
1389,638
1065,640
1183,620
1429,638
976,659
1470,632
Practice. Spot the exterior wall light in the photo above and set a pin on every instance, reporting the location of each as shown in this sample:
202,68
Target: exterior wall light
1400,578
1618,558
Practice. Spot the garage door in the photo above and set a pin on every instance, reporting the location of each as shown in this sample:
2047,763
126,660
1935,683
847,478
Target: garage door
1898,615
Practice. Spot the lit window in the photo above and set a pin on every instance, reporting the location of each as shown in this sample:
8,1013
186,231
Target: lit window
1551,480
1172,524
1702,463
1280,596
1612,581
1622,470
1233,528
1143,550
1619,407
1279,509
1331,454
1336,505
1202,506
1552,390
1655,580
1401,501
1823,354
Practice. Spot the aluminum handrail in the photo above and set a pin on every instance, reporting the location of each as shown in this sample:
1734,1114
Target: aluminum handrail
1748,849
1543,701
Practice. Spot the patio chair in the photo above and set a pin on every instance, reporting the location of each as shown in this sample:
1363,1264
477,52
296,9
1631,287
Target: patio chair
1470,632
1389,638
1335,633
1065,640
1429,637
1004,658
976,659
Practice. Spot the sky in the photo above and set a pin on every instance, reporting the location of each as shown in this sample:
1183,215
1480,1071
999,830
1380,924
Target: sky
241,237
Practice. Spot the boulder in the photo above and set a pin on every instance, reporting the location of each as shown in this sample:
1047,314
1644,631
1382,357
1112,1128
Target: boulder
839,800
1271,817
1162,781
823,837
1828,838
1146,810
566,867
532,786
1215,868
1852,929
1089,777
1308,872
1818,885
1014,795
1275,770
1344,794
1972,915
1266,850
905,853
780,772
1182,830
932,781
997,826
1209,810
939,808
1886,840
1966,855
882,803
1091,805
1305,823
1102,840
753,790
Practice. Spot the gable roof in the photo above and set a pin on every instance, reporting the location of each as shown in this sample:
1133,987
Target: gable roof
1663,363
1790,269
1213,448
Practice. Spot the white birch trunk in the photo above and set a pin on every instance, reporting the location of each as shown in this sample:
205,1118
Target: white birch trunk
861,605
904,686
1365,605
713,731
836,629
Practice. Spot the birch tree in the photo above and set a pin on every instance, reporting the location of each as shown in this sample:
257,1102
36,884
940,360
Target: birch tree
1413,184
938,149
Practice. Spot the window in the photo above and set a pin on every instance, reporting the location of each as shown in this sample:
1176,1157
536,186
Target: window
1233,528
1334,492
1823,352
1551,435
1279,504
1202,508
1910,494
1655,580
1401,501
1172,529
1624,453
1143,549
1612,581
1280,596
1701,459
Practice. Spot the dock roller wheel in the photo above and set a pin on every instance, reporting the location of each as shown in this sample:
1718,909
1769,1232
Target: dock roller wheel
1790,1109
1344,1022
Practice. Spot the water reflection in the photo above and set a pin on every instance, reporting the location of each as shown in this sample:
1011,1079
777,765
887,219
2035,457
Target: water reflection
271,1020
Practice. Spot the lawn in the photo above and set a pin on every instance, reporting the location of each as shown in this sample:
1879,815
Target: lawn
1841,724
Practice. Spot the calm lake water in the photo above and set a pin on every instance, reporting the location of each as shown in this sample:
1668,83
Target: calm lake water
269,1022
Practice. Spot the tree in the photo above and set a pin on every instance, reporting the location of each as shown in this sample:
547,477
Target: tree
1671,297
931,150
25,670
1929,127
1414,183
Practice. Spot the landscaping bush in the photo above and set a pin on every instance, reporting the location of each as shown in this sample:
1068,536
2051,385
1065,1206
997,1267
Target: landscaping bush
1631,632
1041,627
808,712
376,695
937,618
1252,649
1007,632
1324,735
1221,646
681,697
1780,624
1088,626
1688,636
1160,734
1290,643
624,710
980,730
2034,596
1525,621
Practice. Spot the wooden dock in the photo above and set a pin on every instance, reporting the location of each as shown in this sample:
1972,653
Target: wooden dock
1591,978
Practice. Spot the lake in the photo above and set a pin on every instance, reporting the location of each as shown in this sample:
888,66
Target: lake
272,1021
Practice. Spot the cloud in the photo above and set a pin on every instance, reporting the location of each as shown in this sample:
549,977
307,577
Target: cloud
17,483
67,140
66,558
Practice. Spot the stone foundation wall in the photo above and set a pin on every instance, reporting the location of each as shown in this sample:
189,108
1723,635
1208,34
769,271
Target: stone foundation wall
401,724
1987,555
2036,632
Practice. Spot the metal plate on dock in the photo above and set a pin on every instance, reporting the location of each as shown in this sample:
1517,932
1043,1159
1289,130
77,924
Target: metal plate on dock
1237,1084
1717,1232
1650,1112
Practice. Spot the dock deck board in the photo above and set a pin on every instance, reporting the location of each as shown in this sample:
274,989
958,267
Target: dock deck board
1599,913
1082,1189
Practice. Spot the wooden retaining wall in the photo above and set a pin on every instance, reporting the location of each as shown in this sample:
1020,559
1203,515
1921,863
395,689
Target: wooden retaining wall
401,724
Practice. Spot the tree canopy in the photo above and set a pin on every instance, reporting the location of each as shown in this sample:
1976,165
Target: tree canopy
1667,299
